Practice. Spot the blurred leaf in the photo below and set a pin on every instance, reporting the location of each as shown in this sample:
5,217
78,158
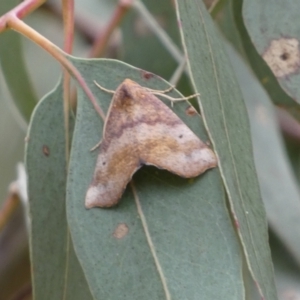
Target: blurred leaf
280,190
16,75
149,53
268,21
286,271
14,68
226,21
231,24
40,64
262,71
14,255
11,141
225,116
52,257
194,251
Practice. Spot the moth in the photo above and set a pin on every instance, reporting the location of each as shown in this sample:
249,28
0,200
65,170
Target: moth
141,130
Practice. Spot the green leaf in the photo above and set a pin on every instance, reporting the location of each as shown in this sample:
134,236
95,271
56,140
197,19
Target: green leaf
150,53
227,24
259,66
52,258
271,26
279,187
225,116
14,68
180,244
286,271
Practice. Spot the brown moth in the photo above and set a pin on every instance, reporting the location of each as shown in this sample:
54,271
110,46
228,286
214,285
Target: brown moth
141,130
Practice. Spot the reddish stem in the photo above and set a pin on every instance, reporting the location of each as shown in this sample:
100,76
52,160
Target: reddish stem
16,24
103,38
20,11
10,20
68,17
8,208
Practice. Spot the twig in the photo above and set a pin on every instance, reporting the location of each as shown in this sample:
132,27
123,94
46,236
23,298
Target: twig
178,72
11,20
68,18
160,33
24,293
11,203
102,39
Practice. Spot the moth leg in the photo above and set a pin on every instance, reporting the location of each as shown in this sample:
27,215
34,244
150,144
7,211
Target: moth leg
96,146
103,89
172,99
158,92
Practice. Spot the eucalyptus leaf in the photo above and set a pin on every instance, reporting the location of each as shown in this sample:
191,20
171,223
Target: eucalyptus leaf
53,260
179,242
276,38
259,66
151,53
14,67
280,190
226,119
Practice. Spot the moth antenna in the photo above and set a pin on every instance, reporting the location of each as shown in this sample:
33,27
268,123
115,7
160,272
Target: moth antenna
169,89
95,147
172,99
103,89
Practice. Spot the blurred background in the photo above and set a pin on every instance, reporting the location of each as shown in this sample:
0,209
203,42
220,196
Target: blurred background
28,72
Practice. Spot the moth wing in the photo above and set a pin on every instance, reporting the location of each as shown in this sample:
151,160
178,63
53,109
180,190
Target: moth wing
175,148
165,141
112,174
140,129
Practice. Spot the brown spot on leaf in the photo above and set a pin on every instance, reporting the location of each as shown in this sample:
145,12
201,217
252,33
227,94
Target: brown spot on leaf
283,56
46,150
191,111
146,75
121,231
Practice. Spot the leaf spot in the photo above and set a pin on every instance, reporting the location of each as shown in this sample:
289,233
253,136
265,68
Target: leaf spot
121,231
283,56
191,111
146,75
46,150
